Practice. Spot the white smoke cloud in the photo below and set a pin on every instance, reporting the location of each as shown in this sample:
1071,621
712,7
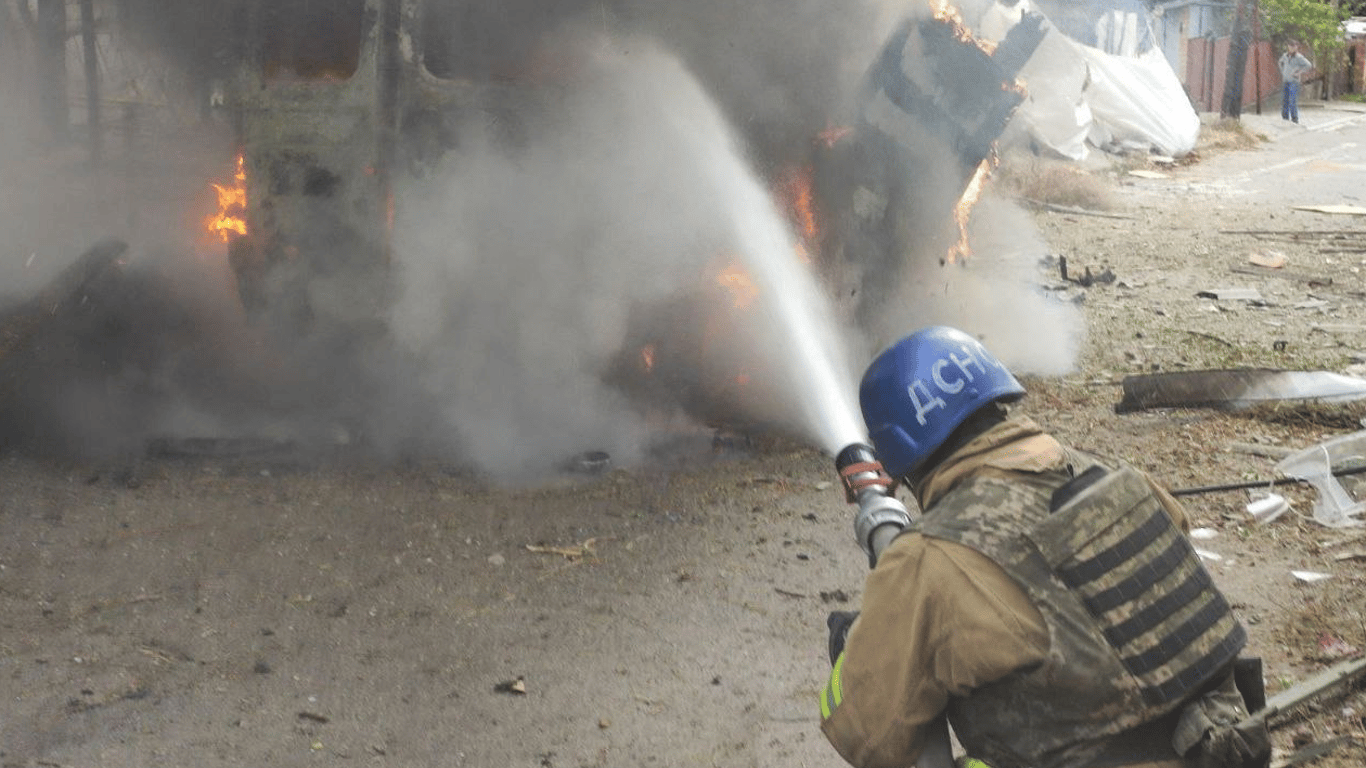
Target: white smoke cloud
528,265
521,269
995,294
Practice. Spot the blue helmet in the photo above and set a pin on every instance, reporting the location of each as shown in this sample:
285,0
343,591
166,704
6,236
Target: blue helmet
917,392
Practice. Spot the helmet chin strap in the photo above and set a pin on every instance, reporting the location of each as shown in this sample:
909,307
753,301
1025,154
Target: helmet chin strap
980,421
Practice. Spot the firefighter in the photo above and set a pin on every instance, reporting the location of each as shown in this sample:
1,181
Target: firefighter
1047,603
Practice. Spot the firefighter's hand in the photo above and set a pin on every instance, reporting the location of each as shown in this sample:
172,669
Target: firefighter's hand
839,623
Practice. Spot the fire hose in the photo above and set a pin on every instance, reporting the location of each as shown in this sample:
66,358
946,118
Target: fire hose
880,518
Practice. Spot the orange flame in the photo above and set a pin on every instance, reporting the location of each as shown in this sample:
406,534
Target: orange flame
963,210
232,205
945,12
742,289
834,135
796,192
647,357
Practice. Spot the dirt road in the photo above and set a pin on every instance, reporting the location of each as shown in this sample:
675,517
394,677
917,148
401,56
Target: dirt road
243,611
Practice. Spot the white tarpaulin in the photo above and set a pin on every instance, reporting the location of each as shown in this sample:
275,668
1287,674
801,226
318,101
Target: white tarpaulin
1082,97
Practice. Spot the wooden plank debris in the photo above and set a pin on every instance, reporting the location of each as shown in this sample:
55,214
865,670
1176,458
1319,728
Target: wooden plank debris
1327,681
1285,274
1338,210
1054,208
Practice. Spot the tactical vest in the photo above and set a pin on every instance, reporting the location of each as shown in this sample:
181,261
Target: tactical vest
1136,626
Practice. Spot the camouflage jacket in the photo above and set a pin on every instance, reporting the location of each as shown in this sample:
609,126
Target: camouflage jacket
1068,625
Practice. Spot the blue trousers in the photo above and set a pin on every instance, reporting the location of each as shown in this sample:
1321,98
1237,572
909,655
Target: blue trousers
1290,102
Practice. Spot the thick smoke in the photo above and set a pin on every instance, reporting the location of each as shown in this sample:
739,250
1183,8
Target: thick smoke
993,294
533,271
523,271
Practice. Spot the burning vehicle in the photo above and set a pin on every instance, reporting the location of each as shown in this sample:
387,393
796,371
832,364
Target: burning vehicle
330,105
896,182
325,101
334,109
908,172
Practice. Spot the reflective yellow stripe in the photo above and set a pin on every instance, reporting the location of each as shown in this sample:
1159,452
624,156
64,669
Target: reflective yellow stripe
832,694
971,762
836,690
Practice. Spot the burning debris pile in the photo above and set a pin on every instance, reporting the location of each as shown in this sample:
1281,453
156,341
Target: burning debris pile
933,105
453,257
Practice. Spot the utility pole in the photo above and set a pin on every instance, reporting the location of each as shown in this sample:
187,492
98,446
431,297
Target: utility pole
92,82
51,68
1330,60
1236,64
1257,54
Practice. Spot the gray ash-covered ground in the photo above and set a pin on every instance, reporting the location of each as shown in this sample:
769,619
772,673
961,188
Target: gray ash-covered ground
240,608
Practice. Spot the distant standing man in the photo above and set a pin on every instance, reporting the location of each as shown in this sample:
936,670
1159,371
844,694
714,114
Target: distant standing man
1293,66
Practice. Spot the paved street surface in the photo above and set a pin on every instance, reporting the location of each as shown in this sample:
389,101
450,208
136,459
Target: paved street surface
1321,161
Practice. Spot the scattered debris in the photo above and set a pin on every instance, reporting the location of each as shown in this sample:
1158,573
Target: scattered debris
1334,416
516,686
1333,647
577,552
1267,509
787,593
313,717
1320,465
1203,533
1342,210
64,295
1205,554
1268,259
1078,211
1311,752
1313,281
1297,234
1251,295
1251,484
1087,279
1338,676
1261,449
724,440
1142,174
1309,577
589,463
1236,388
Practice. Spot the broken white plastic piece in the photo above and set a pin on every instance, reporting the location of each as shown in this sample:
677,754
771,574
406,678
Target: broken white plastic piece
1310,576
1268,509
1334,507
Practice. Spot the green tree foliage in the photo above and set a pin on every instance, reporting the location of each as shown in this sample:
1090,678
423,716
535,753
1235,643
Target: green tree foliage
1313,23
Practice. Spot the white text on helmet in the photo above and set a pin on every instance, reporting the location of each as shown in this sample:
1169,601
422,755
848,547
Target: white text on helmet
921,396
